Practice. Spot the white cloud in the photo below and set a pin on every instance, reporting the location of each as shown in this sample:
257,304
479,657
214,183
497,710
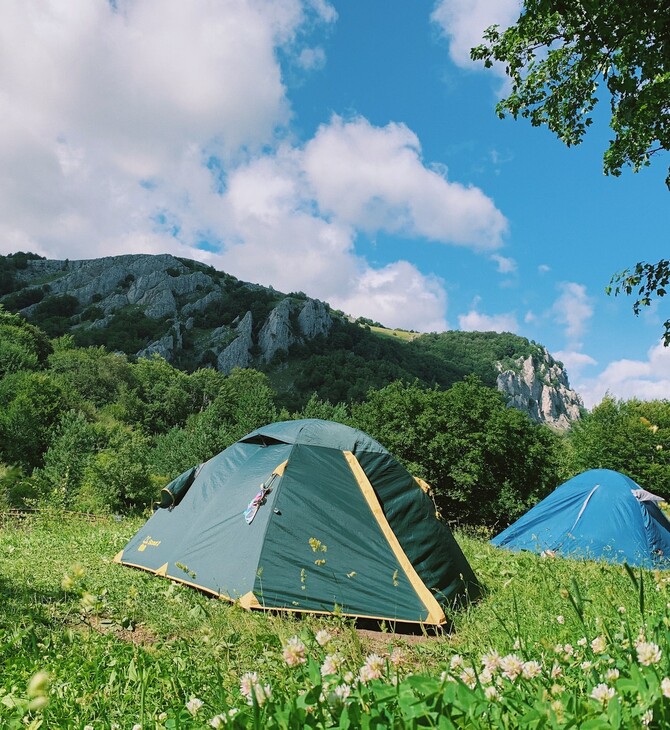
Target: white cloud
543,268
505,265
643,379
573,309
475,321
463,22
373,178
575,362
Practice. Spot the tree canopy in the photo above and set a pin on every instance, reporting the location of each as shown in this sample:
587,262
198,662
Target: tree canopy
561,57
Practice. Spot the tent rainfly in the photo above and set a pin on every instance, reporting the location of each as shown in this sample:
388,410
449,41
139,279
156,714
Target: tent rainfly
597,515
336,525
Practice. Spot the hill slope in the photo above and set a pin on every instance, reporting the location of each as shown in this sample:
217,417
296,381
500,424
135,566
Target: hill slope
195,316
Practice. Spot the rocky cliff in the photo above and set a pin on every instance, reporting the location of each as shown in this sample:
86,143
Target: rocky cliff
539,385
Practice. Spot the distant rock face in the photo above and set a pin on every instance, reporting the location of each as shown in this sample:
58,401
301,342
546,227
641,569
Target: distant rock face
539,386
238,353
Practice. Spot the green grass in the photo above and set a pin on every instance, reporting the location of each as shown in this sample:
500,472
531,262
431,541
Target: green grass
123,647
402,335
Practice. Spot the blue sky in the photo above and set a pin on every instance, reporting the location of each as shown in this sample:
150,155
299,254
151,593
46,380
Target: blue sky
346,149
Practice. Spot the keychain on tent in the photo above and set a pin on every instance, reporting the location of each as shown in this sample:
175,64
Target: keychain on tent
265,489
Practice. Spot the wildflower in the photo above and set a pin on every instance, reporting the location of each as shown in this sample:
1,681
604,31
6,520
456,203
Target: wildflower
194,705
611,675
599,645
556,689
249,679
556,670
582,641
531,669
262,692
456,662
485,676
341,692
331,664
648,653
218,721
322,637
162,717
517,645
665,687
469,678
397,657
586,665
647,717
294,652
491,661
568,649
511,666
137,726
621,609
348,677
602,693
88,727
557,706
491,694
372,669
560,619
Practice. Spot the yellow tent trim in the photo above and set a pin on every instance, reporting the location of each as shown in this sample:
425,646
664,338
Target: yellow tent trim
424,485
279,471
162,570
248,600
117,557
435,612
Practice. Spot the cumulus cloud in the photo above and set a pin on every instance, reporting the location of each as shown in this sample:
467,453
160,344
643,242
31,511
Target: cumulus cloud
475,321
463,23
646,379
157,125
505,265
374,178
543,268
573,309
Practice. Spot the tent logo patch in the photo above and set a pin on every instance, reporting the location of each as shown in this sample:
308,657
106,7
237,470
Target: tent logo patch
148,542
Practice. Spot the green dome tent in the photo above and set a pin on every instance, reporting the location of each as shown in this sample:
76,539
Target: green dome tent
336,525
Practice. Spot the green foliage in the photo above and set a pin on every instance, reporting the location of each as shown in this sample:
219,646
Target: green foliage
245,401
9,265
22,346
53,314
559,56
129,330
30,405
644,281
632,437
486,463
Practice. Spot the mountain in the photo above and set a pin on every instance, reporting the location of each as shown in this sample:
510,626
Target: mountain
195,316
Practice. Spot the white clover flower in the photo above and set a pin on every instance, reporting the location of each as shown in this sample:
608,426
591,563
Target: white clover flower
262,692
621,609
582,641
468,677
511,666
372,669
137,726
517,645
293,652
531,669
665,687
560,620
88,727
602,693
485,676
647,717
341,692
331,664
611,675
456,662
599,645
348,677
556,671
218,721
397,657
557,689
492,694
648,653
586,665
323,637
249,679
194,705
569,650
491,661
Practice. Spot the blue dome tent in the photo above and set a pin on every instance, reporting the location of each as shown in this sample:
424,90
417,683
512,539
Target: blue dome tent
597,515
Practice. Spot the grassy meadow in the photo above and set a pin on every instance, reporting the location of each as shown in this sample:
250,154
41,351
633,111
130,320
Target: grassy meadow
86,643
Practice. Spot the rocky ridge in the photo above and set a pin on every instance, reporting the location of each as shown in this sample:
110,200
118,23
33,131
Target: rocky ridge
206,317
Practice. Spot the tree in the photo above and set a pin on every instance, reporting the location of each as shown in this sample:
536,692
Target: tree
561,55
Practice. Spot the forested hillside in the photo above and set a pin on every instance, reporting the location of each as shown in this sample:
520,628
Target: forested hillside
194,317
